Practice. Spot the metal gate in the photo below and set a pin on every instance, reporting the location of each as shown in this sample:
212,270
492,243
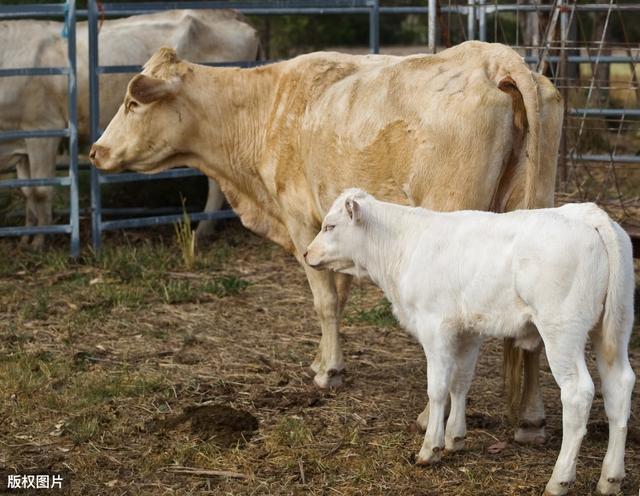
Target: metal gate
68,10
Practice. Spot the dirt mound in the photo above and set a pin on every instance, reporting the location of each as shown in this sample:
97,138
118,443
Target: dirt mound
221,424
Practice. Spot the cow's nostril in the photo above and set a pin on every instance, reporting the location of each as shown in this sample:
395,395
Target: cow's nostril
305,255
92,153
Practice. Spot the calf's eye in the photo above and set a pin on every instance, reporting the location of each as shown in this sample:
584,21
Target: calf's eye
328,228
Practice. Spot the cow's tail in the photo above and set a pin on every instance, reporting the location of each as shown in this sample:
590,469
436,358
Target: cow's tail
523,167
520,84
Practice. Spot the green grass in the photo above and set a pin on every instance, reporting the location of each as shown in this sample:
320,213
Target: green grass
380,315
38,307
178,291
228,285
84,427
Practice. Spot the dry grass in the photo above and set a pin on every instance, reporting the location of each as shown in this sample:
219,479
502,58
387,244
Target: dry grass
137,376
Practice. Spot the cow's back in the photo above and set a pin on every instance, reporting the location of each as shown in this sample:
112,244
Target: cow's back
386,124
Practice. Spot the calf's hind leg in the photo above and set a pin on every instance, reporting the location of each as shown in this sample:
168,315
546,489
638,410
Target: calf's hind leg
617,385
565,354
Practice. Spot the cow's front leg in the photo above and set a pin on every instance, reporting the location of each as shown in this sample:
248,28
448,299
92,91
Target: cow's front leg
440,358
329,362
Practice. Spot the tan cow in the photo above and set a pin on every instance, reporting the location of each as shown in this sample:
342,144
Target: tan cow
469,128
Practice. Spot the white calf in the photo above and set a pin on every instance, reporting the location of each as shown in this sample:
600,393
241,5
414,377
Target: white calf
453,278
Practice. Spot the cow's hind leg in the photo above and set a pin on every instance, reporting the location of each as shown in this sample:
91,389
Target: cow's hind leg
618,380
531,410
565,353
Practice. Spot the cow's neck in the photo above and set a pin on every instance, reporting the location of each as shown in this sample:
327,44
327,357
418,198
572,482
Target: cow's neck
233,107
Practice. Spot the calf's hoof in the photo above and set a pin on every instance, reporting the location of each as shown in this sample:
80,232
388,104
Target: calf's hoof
557,488
531,433
330,379
454,444
429,456
610,485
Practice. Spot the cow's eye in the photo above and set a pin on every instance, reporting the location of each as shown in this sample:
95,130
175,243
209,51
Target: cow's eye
131,105
328,228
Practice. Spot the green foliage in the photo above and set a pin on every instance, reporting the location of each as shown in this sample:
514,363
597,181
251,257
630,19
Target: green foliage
380,315
226,286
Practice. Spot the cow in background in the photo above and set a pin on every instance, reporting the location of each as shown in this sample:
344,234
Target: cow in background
41,102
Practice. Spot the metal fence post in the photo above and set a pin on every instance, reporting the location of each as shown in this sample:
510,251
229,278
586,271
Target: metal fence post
74,214
94,133
471,20
374,26
432,25
482,20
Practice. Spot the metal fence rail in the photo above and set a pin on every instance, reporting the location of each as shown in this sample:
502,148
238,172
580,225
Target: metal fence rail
68,10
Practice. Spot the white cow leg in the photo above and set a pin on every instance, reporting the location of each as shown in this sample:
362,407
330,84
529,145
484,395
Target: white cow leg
215,199
22,170
42,161
576,391
329,362
618,380
465,360
440,355
531,425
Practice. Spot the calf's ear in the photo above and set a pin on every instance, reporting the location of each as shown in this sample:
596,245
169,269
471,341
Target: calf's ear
145,89
353,209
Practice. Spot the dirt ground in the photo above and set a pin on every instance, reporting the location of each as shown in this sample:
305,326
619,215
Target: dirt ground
130,374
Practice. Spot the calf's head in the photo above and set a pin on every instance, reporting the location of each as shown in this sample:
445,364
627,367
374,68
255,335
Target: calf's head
153,127
341,237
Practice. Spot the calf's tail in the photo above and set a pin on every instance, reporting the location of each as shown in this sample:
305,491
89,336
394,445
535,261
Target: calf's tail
618,308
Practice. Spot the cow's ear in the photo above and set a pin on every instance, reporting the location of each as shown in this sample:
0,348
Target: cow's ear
145,89
353,209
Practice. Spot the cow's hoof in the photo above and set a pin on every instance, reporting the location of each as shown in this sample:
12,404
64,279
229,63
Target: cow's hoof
530,435
429,456
455,444
609,485
331,379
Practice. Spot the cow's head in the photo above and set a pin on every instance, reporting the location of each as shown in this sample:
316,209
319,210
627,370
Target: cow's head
153,126
341,236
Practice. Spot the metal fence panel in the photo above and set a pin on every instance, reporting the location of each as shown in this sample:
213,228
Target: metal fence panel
68,10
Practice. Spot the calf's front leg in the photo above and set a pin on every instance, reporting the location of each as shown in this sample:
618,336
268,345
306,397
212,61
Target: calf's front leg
466,356
440,357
